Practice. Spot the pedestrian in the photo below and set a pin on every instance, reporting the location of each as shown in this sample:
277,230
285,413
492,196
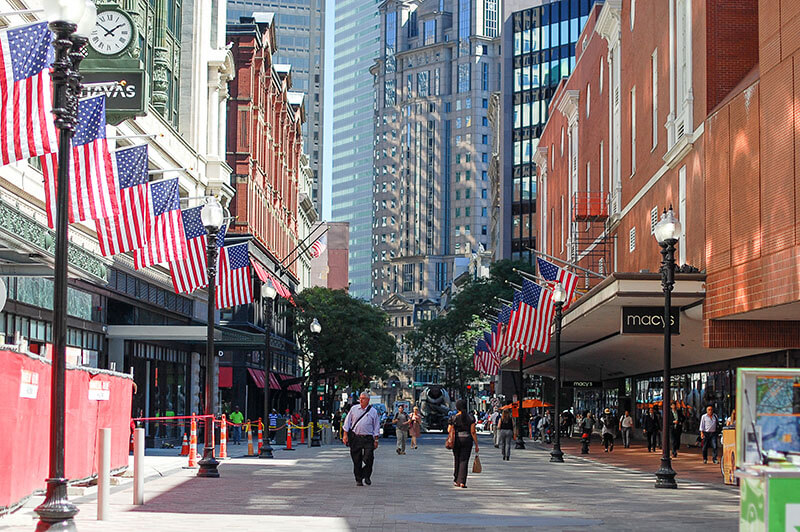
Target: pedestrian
273,425
543,426
462,429
415,426
362,430
506,433
626,428
236,418
400,422
607,429
297,422
676,427
650,428
587,426
709,424
494,420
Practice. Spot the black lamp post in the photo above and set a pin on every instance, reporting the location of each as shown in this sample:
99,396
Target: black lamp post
71,22
520,443
559,297
212,217
268,294
667,232
315,328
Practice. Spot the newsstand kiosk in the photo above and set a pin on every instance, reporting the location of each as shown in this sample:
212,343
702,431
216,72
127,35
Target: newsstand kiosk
768,448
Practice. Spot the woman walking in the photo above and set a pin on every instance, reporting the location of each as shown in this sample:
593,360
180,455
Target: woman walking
462,428
506,433
415,426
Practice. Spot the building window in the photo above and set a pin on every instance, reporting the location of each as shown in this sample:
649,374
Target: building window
484,193
466,211
484,175
588,98
484,139
391,40
467,193
408,279
389,95
458,212
602,71
430,32
653,220
484,230
485,77
484,211
632,239
458,194
463,76
654,90
422,84
633,130
490,18
464,10
485,103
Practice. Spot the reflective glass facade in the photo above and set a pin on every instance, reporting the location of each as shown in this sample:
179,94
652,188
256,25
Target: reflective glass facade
543,48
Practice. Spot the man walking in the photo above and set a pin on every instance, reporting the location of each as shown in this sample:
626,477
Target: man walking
400,421
236,418
676,427
494,420
650,427
361,433
626,427
273,425
708,432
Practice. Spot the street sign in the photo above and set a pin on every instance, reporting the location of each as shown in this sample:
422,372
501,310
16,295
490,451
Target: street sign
648,320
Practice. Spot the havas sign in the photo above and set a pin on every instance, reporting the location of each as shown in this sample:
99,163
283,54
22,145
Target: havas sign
125,99
648,320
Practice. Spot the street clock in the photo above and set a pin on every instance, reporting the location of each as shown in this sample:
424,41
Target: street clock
113,33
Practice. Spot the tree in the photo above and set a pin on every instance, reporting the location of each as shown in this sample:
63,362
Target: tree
448,341
354,344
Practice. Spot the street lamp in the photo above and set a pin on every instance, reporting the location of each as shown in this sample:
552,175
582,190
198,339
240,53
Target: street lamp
315,328
67,17
212,217
667,232
559,297
268,294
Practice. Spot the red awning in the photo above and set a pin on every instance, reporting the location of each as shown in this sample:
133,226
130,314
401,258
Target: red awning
264,276
273,382
225,377
296,387
258,376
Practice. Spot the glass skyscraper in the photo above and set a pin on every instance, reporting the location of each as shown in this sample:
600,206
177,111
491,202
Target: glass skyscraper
300,30
356,43
539,50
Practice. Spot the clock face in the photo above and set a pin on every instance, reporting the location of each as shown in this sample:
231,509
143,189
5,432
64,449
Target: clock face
112,33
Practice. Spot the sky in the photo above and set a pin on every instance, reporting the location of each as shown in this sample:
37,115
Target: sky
327,111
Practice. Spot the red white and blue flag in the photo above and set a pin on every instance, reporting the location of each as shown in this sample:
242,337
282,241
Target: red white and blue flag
318,247
190,274
529,327
92,187
166,241
26,122
234,286
128,230
555,274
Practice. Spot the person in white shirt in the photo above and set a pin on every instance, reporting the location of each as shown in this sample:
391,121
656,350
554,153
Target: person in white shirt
708,432
361,433
626,427
494,420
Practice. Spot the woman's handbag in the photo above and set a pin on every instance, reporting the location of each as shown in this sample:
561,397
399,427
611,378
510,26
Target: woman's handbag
451,438
476,464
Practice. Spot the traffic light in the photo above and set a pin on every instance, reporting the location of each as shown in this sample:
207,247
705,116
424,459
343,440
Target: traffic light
469,387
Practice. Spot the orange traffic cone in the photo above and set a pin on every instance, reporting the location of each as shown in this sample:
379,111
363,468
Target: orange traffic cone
193,443
185,446
288,438
260,435
223,438
249,440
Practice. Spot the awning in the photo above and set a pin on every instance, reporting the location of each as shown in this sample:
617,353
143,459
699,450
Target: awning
225,377
528,403
258,378
296,387
264,276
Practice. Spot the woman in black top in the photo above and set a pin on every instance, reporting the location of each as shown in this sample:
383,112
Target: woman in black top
463,427
506,436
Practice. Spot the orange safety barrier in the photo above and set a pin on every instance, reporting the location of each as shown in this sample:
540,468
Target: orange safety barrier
260,435
185,446
193,443
288,438
223,439
250,440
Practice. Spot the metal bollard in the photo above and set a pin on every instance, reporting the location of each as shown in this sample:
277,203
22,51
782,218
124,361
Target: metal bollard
103,473
138,467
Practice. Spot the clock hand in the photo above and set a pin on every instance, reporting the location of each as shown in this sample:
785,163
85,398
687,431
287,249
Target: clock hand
103,27
112,30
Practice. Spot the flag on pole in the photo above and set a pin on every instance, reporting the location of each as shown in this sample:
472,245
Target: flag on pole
529,327
318,247
190,274
167,240
234,286
26,122
92,187
556,274
128,230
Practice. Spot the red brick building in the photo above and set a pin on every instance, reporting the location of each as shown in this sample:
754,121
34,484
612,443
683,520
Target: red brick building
692,104
264,143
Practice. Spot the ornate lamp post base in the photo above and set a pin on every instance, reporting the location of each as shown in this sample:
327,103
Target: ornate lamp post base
208,466
266,448
556,455
665,476
56,512
519,444
315,440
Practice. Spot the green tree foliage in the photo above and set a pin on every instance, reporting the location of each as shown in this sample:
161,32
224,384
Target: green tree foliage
354,343
448,341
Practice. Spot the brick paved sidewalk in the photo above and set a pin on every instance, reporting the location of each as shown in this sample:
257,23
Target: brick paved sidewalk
313,489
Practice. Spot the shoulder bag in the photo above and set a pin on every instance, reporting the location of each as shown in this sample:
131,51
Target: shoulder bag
351,434
450,442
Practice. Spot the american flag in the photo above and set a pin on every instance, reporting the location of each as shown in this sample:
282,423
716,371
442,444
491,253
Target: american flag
234,286
166,241
26,125
555,274
487,361
92,187
190,274
501,340
318,247
128,230
530,323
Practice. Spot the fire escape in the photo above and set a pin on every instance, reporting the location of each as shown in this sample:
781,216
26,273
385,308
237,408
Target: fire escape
591,247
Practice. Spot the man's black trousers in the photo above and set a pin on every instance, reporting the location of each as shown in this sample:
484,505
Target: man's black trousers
362,451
